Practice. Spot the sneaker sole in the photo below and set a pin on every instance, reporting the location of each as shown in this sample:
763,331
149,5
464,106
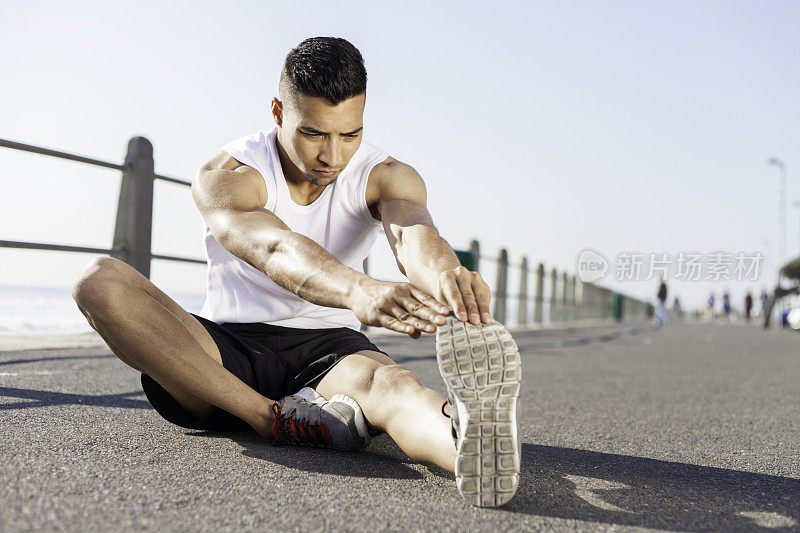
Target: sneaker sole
481,368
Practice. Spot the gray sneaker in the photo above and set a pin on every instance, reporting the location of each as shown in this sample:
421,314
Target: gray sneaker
307,419
480,365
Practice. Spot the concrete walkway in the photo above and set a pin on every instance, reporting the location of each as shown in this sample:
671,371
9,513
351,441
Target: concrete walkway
690,427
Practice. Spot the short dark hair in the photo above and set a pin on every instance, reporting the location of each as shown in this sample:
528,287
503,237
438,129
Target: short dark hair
325,67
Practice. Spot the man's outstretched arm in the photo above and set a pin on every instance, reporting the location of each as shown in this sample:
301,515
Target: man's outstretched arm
230,197
422,254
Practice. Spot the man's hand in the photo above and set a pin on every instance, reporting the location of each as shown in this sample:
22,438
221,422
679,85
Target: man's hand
399,307
466,293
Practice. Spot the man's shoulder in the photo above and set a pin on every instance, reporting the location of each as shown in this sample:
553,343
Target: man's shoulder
391,175
394,180
224,174
391,172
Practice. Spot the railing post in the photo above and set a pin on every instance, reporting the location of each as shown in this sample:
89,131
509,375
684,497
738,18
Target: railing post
133,228
603,302
563,297
603,305
565,312
538,303
501,287
475,248
595,300
572,309
522,297
585,293
553,283
598,302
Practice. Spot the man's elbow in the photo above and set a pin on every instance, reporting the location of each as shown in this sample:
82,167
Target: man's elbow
414,234
415,242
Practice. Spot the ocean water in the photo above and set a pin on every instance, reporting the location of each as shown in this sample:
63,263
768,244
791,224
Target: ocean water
52,311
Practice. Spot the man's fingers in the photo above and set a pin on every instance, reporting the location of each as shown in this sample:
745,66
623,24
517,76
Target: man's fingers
483,297
465,287
413,306
438,310
452,294
389,322
405,316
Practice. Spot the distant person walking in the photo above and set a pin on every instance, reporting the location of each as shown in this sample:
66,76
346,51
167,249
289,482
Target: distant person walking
726,305
710,307
764,297
748,307
661,311
677,310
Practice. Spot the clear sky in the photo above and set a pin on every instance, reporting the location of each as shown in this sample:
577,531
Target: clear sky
543,127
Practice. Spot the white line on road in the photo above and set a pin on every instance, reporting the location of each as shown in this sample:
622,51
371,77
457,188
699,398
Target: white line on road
770,520
31,373
585,485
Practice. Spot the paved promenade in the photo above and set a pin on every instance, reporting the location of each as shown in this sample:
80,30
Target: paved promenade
690,427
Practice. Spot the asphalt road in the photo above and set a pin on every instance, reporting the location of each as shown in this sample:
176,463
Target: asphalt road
691,427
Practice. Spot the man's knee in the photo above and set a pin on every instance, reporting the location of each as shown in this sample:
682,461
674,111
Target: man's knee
99,284
392,388
378,388
393,380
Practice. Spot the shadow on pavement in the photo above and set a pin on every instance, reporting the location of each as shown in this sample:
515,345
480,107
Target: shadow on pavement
382,458
43,398
587,486
402,351
54,358
635,491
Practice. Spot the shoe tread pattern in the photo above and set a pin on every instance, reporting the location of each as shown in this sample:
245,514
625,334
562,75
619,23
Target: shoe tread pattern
481,368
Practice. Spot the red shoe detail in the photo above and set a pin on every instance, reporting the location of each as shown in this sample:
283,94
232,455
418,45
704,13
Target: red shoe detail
290,430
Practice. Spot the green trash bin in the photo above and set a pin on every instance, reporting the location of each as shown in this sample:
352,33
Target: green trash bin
617,307
467,259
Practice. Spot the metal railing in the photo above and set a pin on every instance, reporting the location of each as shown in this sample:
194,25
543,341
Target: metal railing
558,297
567,299
133,228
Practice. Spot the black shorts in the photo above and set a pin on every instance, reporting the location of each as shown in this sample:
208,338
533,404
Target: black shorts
274,360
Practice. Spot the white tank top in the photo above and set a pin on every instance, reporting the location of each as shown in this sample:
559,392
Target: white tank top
338,220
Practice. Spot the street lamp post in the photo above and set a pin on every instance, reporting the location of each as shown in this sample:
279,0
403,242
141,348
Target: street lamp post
781,212
796,204
767,244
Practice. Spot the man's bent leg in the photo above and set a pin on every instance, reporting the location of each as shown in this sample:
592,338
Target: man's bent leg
151,333
393,400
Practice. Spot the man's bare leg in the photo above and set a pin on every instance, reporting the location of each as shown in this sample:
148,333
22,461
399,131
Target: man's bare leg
147,330
394,401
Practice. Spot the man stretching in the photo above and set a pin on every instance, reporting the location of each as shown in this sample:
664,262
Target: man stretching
291,213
